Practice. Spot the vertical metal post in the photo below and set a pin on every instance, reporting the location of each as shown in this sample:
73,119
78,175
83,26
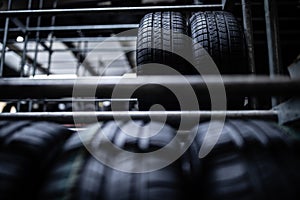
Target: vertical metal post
198,2
45,106
85,51
51,40
78,58
23,61
248,32
37,39
30,103
271,17
18,106
2,62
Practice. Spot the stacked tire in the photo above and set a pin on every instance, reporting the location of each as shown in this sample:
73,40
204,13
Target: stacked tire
163,39
79,174
221,36
26,150
160,35
251,160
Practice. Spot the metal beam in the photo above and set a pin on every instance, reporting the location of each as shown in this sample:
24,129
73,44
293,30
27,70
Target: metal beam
79,27
18,88
272,37
248,32
81,58
112,10
94,39
76,50
83,39
272,31
4,41
171,116
19,24
28,59
227,4
24,54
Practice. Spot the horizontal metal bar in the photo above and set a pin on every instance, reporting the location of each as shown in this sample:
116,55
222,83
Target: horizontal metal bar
94,39
84,39
67,100
172,116
21,88
114,10
110,27
119,61
286,43
79,50
79,27
280,19
282,3
283,32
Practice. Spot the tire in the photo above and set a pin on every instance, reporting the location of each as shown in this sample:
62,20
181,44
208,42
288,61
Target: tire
161,34
61,181
164,183
251,160
78,175
220,34
26,149
62,178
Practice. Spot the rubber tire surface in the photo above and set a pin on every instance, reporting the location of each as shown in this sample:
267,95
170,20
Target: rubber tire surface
251,160
220,34
78,175
164,183
62,178
26,149
161,34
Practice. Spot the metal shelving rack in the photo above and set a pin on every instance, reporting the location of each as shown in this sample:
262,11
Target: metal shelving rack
40,32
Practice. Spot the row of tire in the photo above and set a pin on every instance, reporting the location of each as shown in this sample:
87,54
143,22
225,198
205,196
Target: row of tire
251,160
162,34
206,42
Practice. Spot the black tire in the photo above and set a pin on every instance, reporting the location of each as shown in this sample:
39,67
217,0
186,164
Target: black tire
220,34
251,160
164,183
26,149
78,175
61,181
161,34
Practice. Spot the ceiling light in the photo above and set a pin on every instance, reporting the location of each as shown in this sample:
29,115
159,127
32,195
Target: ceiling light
20,39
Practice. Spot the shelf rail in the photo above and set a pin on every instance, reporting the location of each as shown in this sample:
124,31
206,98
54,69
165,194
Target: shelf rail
114,10
244,85
169,116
